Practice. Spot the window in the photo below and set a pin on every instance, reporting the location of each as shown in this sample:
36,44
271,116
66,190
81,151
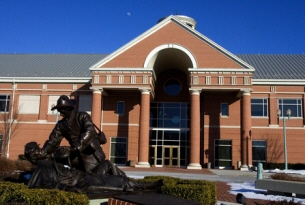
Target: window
258,151
224,109
52,103
223,153
259,107
85,103
295,105
118,150
29,104
4,103
120,108
172,87
169,115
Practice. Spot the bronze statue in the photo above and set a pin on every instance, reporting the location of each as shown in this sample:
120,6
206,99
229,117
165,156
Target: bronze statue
51,174
80,167
77,128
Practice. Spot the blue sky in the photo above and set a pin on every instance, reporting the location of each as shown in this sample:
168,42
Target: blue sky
103,26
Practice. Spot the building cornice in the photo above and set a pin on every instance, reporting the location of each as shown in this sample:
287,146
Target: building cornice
278,81
223,70
45,80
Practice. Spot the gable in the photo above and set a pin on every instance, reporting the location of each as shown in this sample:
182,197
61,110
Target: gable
206,54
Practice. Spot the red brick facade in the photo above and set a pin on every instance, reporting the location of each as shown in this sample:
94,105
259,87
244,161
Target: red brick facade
209,76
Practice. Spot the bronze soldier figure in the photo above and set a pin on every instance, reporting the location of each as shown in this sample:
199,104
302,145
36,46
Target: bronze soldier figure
77,128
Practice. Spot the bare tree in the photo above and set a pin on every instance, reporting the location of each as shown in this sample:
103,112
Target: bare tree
9,123
274,148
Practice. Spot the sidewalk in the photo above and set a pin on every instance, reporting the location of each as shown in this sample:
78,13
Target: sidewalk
220,177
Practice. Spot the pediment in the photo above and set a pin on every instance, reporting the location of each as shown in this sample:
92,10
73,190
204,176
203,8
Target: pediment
172,31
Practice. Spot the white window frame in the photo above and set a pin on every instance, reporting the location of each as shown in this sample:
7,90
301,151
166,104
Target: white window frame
29,104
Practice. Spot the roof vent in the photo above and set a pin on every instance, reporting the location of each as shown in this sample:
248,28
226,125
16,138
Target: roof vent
185,19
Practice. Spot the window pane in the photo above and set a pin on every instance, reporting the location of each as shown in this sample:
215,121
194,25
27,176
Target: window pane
118,150
258,143
224,109
259,107
259,150
4,103
295,105
172,87
85,103
120,107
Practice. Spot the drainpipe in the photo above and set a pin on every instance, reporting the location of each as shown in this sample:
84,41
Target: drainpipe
10,121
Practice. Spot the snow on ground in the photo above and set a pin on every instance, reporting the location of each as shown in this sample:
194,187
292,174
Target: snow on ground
249,191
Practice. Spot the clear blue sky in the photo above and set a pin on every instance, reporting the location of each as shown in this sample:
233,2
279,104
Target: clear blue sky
102,26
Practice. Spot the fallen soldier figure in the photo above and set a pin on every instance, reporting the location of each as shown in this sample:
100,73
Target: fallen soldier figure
51,174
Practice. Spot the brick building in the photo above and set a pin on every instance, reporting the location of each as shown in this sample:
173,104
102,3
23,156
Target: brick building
171,97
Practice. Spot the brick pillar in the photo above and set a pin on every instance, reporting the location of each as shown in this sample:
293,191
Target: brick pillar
43,109
144,130
273,121
195,131
96,107
246,144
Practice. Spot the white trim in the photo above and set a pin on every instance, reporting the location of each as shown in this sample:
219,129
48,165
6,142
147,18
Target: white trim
45,79
278,82
153,54
223,70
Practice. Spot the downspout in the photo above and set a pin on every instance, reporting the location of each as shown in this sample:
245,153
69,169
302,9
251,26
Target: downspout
10,121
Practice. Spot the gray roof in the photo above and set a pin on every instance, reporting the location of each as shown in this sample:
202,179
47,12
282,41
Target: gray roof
77,65
276,66
47,65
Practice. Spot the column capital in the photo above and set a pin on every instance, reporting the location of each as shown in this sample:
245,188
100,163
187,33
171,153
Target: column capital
195,91
145,91
246,91
97,90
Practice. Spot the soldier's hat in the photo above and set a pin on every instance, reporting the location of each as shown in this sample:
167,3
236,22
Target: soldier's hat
64,102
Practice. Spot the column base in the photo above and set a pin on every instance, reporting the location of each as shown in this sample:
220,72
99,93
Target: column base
194,166
143,164
245,168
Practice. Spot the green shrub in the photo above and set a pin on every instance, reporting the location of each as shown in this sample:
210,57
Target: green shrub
202,191
19,193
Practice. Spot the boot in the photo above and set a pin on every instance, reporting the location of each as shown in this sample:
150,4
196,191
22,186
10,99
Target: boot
153,185
145,185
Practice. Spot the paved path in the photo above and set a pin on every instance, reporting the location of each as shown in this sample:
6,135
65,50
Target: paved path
220,177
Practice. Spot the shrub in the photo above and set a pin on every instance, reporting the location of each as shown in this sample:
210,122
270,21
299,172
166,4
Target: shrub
24,165
15,193
284,176
195,190
7,164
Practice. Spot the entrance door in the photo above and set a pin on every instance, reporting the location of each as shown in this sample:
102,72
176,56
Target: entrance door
171,156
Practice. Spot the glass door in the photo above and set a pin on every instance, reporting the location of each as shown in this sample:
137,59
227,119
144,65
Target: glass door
171,156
